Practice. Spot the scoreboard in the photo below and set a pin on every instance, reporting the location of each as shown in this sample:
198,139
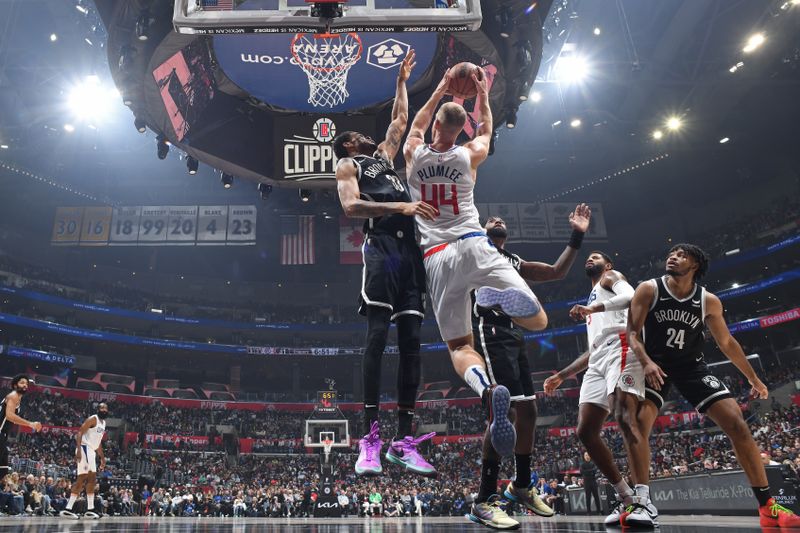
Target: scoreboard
155,225
326,401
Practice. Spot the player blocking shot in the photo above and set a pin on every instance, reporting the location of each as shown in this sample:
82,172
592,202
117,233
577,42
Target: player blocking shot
9,414
458,255
89,448
502,345
614,382
393,280
666,329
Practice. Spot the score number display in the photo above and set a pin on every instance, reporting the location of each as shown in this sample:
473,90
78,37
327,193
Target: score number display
218,225
326,400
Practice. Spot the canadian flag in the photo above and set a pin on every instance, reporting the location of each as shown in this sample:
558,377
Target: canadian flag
351,237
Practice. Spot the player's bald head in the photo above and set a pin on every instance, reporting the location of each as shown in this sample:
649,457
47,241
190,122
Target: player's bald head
451,118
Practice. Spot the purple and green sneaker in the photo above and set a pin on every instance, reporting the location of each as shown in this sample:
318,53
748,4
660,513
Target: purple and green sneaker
369,455
404,453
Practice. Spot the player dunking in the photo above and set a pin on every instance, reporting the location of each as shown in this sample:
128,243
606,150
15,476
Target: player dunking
667,319
9,409
393,282
458,255
90,445
503,347
614,382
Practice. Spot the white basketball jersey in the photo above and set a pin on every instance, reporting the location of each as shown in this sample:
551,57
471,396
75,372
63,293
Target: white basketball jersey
94,436
444,180
601,325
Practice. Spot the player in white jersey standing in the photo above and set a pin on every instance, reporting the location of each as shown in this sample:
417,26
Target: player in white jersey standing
90,444
614,381
457,253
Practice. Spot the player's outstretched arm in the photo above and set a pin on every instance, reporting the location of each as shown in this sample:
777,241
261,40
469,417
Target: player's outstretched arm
640,305
422,120
397,128
479,145
576,367
623,294
356,207
12,402
715,321
536,271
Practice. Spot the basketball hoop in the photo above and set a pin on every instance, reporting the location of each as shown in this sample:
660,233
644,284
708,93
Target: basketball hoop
326,59
327,444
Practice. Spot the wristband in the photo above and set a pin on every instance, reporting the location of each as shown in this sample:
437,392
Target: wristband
576,239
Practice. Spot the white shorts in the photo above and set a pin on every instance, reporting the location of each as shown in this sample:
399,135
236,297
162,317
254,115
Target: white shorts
87,463
612,366
456,268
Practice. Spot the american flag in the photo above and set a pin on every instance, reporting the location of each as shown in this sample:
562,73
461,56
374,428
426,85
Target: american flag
216,5
297,239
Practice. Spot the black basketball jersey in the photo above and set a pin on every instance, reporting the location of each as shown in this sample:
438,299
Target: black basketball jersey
674,329
378,182
490,316
5,424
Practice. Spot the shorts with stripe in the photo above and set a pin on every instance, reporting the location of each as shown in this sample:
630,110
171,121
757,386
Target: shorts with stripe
506,358
696,383
612,366
88,462
393,275
455,269
4,466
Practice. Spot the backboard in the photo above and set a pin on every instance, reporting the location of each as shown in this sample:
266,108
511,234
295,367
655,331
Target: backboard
295,16
317,430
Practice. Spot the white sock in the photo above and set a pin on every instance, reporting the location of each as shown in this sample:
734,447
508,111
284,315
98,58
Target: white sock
624,491
643,491
89,502
71,502
476,378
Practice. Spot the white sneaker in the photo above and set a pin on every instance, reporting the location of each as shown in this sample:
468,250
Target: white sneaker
616,512
652,511
68,514
91,514
637,516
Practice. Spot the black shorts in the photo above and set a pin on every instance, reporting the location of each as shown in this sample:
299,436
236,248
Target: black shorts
696,383
4,454
507,359
393,276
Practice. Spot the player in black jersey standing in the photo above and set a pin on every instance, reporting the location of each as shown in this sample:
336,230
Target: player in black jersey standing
9,407
393,280
666,324
502,345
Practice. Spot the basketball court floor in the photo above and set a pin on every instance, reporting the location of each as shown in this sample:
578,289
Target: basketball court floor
669,524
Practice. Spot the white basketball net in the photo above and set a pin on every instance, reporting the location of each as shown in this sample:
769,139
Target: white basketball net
327,444
326,60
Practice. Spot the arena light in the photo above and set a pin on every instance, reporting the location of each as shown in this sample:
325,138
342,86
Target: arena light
140,125
724,140
536,97
3,147
192,165
556,123
754,42
571,69
69,128
511,119
305,195
226,180
658,134
91,100
82,9
576,123
53,37
264,189
735,285
596,31
674,123
162,147
143,25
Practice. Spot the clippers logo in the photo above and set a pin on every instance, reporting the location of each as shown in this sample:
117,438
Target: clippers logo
628,380
324,130
712,382
387,54
310,157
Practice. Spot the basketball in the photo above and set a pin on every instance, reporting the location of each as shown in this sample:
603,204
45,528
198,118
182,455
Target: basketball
461,83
